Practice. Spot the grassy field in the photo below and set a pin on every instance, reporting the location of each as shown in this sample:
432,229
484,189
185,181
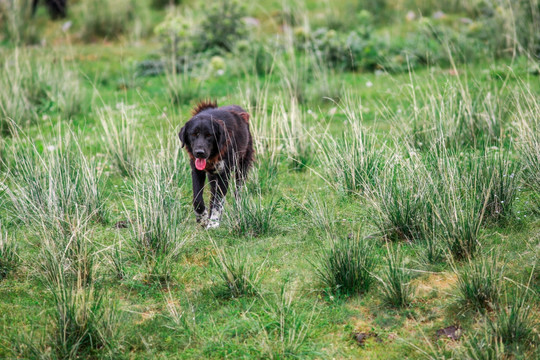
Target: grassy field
393,210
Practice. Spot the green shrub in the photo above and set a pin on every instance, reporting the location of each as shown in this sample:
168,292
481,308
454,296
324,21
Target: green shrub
221,27
255,56
158,4
352,51
176,37
346,267
105,18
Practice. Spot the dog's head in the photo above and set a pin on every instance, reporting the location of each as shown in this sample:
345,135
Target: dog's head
203,136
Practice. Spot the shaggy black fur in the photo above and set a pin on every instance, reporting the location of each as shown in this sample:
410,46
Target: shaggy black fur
218,141
57,8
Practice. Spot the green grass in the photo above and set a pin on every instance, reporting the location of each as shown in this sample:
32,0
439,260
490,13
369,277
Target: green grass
402,177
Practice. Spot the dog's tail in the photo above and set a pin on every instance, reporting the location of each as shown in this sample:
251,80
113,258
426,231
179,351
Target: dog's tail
203,105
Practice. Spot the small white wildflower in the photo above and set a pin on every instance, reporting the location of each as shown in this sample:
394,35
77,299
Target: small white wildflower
66,26
51,148
369,84
220,72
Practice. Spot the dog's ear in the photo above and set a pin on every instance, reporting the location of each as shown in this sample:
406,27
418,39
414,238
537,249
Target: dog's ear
245,116
220,132
183,136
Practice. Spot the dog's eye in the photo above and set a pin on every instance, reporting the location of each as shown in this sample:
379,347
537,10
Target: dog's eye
208,136
196,134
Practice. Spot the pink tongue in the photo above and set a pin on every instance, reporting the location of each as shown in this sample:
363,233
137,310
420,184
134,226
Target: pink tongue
200,164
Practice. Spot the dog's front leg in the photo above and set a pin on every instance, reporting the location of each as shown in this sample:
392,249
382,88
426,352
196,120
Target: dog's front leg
198,179
219,185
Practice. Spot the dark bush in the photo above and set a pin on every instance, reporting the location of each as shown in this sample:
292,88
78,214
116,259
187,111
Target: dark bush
221,27
159,4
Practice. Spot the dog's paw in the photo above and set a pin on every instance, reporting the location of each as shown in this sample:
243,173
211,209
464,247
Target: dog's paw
212,224
202,218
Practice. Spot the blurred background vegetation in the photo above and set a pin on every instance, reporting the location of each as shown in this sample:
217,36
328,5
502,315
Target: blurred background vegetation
363,35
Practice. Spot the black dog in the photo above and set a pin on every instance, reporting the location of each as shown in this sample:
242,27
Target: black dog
57,8
218,141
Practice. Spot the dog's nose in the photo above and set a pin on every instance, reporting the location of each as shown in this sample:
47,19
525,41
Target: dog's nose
199,153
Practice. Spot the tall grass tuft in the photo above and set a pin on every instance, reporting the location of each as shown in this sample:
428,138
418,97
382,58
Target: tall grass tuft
285,328
30,89
16,22
182,87
67,258
479,283
353,161
295,136
505,174
399,201
528,130
462,116
250,215
84,323
484,346
265,173
8,254
396,280
346,267
459,195
157,222
239,275
514,324
120,138
56,187
104,18
322,214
